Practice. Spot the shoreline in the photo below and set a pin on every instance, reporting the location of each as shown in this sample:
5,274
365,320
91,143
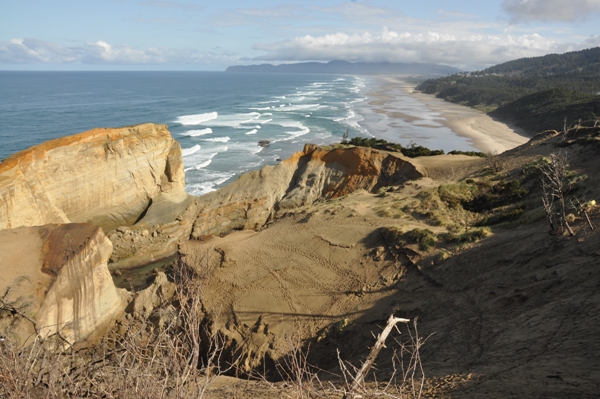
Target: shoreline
480,130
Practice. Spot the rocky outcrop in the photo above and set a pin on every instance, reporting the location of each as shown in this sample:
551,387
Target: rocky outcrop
55,279
159,292
106,177
147,242
310,175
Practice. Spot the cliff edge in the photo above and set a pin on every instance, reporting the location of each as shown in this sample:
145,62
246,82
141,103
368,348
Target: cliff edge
106,177
310,175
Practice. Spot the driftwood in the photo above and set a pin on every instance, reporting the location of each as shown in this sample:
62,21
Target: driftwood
359,379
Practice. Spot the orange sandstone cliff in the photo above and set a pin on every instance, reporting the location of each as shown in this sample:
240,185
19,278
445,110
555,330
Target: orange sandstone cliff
107,177
310,175
55,200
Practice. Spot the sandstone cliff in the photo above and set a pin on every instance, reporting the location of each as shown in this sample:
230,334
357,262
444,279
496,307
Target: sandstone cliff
55,279
107,177
310,175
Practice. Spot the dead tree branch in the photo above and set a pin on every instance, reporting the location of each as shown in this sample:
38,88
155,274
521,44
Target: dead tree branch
359,378
555,186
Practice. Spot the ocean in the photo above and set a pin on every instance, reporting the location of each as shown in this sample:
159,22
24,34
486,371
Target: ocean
218,117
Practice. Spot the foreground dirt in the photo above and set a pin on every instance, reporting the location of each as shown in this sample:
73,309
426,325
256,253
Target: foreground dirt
514,315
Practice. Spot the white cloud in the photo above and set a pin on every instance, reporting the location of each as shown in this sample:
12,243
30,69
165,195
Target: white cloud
34,51
470,51
550,10
592,41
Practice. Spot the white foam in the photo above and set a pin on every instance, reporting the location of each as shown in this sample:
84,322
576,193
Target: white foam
301,107
189,151
253,131
295,124
198,159
236,120
208,181
219,139
302,130
261,108
202,164
253,148
196,133
196,119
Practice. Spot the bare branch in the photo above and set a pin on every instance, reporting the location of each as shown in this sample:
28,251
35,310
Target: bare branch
555,186
358,379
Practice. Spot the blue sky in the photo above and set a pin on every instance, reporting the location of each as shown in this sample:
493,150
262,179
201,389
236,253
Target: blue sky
211,35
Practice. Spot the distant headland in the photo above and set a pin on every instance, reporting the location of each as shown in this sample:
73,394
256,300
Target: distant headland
345,67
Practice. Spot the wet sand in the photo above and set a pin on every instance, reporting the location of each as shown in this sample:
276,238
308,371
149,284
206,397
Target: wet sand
451,126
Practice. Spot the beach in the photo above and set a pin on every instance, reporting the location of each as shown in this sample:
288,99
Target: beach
397,113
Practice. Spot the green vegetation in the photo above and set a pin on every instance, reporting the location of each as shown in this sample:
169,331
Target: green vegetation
469,236
491,196
424,237
427,239
412,151
375,143
535,94
548,109
461,207
468,153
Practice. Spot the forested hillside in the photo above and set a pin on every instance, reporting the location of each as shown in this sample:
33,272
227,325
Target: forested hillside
530,92
550,109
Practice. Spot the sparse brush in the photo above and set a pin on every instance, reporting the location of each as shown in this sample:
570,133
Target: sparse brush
470,236
166,355
424,237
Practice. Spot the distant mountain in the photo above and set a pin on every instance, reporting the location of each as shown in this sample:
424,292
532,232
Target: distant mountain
533,93
344,67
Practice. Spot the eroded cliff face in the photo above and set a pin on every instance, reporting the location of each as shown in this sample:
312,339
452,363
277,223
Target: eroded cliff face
107,177
55,279
310,175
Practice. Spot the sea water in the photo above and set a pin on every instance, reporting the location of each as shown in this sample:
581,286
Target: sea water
218,117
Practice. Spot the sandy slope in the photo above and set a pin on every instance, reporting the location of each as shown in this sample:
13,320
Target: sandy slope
514,315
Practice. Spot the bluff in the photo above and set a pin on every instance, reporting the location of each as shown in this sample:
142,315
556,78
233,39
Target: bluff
308,176
56,201
106,177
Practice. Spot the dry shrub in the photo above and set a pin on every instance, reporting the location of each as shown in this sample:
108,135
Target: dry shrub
495,161
407,377
172,354
167,355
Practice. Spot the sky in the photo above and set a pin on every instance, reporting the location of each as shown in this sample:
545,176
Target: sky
211,35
